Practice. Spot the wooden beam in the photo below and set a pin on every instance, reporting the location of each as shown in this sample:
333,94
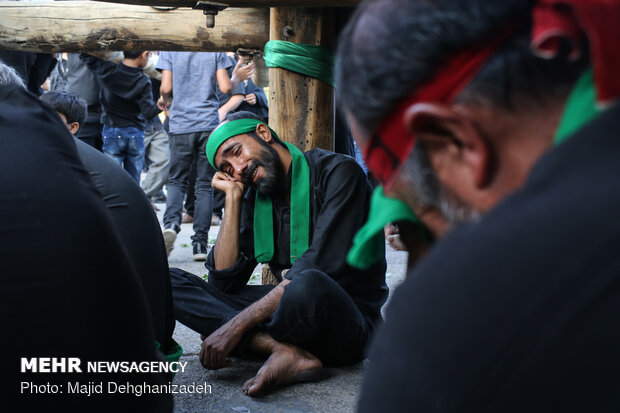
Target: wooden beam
72,26
301,109
246,3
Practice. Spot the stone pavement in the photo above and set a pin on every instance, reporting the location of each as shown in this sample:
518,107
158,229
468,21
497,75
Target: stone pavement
337,393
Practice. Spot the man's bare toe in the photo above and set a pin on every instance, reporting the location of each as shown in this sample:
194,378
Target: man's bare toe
286,365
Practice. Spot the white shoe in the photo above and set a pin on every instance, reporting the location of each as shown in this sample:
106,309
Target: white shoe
170,235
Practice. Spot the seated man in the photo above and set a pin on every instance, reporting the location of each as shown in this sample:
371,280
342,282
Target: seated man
132,215
514,106
69,288
300,216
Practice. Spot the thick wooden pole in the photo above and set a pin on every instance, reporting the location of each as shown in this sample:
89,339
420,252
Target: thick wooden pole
301,109
72,26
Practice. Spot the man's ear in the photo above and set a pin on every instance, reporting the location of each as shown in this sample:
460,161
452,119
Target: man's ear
73,127
452,141
263,132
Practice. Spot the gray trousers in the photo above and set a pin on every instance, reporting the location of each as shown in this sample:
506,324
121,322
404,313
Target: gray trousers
157,151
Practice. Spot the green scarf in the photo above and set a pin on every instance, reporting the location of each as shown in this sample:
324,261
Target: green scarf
307,59
580,108
263,209
300,213
369,242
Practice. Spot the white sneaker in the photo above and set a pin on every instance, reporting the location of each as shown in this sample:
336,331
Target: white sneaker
170,235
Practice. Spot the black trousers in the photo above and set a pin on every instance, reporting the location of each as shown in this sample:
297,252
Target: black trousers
315,313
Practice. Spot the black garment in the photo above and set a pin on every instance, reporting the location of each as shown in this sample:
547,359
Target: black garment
138,228
343,138
520,312
126,96
315,313
68,286
339,197
82,82
33,68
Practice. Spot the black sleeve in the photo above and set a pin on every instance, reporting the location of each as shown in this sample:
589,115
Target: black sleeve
43,65
101,68
148,108
237,276
342,212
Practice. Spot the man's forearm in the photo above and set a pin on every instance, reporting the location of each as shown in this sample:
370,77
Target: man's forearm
226,249
259,311
232,104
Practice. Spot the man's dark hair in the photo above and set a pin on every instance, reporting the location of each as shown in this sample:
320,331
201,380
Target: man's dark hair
244,114
72,106
389,47
132,54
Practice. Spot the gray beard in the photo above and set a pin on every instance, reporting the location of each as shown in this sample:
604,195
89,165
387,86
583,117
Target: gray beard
455,211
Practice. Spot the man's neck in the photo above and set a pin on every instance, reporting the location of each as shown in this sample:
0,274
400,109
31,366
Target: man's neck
131,63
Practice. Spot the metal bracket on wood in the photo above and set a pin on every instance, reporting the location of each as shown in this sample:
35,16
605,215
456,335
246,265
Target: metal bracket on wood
210,9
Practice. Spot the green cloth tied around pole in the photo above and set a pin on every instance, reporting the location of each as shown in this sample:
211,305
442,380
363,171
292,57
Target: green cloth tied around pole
580,108
369,242
307,59
300,213
263,208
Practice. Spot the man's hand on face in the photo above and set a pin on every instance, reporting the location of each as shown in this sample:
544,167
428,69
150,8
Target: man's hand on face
216,348
227,184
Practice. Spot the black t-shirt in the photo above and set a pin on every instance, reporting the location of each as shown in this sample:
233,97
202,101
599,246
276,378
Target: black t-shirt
339,202
126,95
521,311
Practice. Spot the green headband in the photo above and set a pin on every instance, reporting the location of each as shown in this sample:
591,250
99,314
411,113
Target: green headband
227,131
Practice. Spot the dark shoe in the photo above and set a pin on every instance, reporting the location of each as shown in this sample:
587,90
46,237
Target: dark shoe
187,218
200,251
170,235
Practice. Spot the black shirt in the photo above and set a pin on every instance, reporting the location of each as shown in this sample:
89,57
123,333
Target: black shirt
126,96
339,202
520,312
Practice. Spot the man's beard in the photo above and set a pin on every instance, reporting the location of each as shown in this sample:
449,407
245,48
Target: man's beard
430,192
273,183
456,211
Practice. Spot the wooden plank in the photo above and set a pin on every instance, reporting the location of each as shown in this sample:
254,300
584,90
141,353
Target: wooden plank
246,3
301,109
72,26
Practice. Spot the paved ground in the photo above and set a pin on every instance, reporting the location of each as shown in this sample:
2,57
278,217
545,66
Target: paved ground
337,393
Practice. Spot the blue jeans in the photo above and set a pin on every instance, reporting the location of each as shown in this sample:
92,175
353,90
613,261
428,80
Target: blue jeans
184,148
126,147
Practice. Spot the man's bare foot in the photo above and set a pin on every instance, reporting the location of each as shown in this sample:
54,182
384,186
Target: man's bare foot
287,364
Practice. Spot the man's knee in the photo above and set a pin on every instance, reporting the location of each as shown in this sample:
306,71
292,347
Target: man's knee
310,288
